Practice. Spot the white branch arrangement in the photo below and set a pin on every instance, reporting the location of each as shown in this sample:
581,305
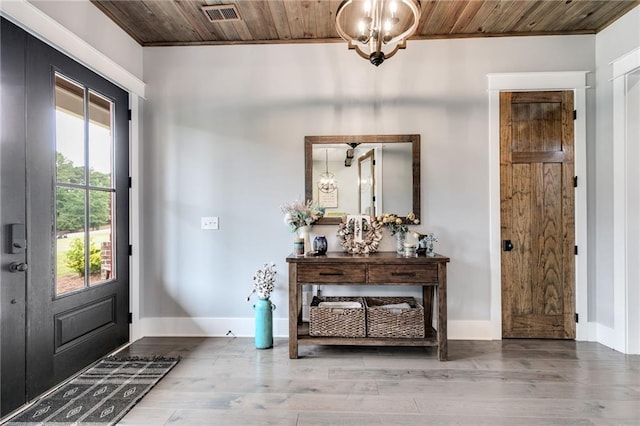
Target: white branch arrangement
263,281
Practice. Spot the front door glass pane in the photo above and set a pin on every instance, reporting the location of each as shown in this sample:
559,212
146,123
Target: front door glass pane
101,237
85,196
70,231
100,141
70,129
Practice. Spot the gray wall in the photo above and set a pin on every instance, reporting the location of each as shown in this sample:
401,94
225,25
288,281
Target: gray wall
223,135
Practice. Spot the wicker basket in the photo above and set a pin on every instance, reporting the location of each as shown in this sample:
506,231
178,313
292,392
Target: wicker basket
403,323
337,322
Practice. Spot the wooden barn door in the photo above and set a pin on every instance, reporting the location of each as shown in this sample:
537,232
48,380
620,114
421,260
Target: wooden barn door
537,214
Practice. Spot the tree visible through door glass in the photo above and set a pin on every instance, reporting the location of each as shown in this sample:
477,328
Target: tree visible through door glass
84,195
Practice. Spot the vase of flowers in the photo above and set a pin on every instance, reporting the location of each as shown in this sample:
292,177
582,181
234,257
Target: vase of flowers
401,237
398,227
263,284
300,216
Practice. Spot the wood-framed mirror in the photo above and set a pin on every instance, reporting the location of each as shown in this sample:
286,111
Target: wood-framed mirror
362,174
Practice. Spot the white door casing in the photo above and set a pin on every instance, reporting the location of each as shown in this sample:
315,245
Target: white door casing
535,81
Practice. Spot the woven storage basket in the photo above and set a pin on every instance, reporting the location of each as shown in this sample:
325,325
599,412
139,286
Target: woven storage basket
383,322
337,322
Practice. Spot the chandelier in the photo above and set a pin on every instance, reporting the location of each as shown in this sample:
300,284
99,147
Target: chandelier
376,29
327,182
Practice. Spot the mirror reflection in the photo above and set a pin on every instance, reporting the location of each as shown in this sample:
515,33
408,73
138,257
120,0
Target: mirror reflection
368,174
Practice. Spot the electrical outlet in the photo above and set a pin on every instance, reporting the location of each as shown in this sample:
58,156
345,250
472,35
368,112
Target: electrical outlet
209,222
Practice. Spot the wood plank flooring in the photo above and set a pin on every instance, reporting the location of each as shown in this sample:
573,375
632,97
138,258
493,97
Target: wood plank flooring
226,381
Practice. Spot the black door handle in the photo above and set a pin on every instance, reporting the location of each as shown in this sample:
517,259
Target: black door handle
507,245
18,267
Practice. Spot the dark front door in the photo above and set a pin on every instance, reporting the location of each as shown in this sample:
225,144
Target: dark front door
65,218
537,214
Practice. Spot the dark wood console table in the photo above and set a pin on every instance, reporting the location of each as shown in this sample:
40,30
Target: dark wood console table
383,268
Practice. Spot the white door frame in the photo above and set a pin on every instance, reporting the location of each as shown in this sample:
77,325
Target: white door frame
626,199
536,81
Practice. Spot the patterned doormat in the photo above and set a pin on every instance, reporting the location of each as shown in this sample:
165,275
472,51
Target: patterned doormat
101,395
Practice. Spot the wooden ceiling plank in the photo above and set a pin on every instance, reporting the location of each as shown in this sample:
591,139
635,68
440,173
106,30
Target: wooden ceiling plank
600,13
279,15
494,12
523,18
166,17
426,10
309,18
451,15
299,17
509,14
294,18
240,27
326,18
552,15
575,11
259,21
472,17
193,14
531,23
436,18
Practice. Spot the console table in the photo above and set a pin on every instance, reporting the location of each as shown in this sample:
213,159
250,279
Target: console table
382,268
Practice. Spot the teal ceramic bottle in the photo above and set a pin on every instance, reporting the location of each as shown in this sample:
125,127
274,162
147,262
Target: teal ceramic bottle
264,323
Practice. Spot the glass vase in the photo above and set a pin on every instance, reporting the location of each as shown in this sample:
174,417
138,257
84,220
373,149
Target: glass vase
401,237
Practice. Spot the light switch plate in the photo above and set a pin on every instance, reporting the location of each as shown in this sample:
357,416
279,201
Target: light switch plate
210,222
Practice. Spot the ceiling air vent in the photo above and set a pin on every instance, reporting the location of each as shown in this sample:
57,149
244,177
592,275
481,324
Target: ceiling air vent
221,13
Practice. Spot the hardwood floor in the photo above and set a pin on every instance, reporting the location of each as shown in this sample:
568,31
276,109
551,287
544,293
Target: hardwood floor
226,381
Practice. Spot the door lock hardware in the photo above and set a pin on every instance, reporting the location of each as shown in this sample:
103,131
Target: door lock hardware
507,245
18,267
18,238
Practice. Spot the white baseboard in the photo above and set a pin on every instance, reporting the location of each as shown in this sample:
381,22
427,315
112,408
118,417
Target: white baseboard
604,335
469,330
207,327
244,327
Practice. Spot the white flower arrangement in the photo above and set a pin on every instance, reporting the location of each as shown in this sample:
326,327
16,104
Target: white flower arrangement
263,281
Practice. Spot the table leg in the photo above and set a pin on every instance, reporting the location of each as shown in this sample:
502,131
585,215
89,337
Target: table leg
427,300
294,308
442,311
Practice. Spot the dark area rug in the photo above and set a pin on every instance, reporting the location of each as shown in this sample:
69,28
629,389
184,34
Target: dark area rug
101,395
